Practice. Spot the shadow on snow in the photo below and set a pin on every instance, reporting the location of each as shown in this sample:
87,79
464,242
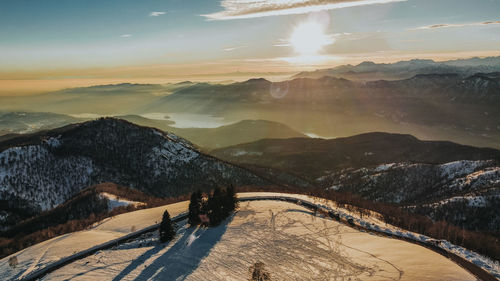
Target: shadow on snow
181,259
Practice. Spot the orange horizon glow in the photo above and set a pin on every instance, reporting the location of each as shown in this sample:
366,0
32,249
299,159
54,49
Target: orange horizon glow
225,71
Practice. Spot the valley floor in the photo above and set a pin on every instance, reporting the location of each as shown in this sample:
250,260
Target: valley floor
292,242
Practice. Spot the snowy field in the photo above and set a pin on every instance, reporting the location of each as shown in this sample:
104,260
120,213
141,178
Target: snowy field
39,255
286,237
291,242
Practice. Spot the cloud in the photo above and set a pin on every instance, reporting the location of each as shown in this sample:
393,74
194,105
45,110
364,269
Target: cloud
447,25
156,14
241,9
126,35
229,49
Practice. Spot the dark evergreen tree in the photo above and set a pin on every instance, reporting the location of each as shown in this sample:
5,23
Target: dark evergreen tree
195,206
232,200
215,206
167,231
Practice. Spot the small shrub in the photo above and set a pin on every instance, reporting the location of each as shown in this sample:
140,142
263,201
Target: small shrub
13,261
259,272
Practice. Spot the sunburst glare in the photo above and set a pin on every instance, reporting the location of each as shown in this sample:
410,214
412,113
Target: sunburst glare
309,38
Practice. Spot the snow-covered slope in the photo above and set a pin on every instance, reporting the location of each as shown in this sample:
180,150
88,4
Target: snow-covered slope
42,254
293,245
41,171
282,235
465,193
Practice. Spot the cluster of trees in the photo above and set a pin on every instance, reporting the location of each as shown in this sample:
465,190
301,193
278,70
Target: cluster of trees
215,207
484,217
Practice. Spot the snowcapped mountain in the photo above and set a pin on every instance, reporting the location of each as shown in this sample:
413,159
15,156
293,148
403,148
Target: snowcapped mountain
465,193
40,171
451,182
405,69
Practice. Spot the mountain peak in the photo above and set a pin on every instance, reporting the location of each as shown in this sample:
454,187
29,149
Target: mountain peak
367,63
257,81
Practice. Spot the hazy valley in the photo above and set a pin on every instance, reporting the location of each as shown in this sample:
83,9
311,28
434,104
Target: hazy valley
419,149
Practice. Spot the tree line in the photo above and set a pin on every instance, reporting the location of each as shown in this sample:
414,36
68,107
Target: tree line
211,209
204,209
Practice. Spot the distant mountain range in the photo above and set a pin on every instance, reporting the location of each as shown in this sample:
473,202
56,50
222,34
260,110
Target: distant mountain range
430,106
369,71
453,100
29,122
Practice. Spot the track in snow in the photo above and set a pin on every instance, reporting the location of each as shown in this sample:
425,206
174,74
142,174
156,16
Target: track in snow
353,267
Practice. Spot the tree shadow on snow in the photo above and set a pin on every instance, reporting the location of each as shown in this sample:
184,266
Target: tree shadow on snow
138,262
183,258
301,211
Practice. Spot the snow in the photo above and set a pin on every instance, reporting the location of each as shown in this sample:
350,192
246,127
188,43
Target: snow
315,136
291,242
44,253
174,151
471,200
374,222
53,142
115,201
279,234
458,168
384,167
26,168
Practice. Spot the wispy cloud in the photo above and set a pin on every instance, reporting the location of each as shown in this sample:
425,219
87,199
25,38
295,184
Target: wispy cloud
126,35
156,14
241,9
229,49
448,25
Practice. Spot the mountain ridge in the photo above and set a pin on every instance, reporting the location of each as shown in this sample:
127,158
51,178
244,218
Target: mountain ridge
45,169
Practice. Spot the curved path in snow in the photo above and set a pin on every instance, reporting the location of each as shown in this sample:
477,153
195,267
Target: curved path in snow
477,271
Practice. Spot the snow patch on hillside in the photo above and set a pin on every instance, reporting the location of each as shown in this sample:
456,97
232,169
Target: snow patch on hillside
384,167
115,201
53,142
487,177
458,168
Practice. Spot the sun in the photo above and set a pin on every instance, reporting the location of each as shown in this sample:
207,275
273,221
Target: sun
309,38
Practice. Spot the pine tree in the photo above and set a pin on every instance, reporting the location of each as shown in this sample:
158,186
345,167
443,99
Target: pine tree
167,231
215,206
195,208
231,198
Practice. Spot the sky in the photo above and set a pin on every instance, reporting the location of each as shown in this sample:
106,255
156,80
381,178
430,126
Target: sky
56,43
